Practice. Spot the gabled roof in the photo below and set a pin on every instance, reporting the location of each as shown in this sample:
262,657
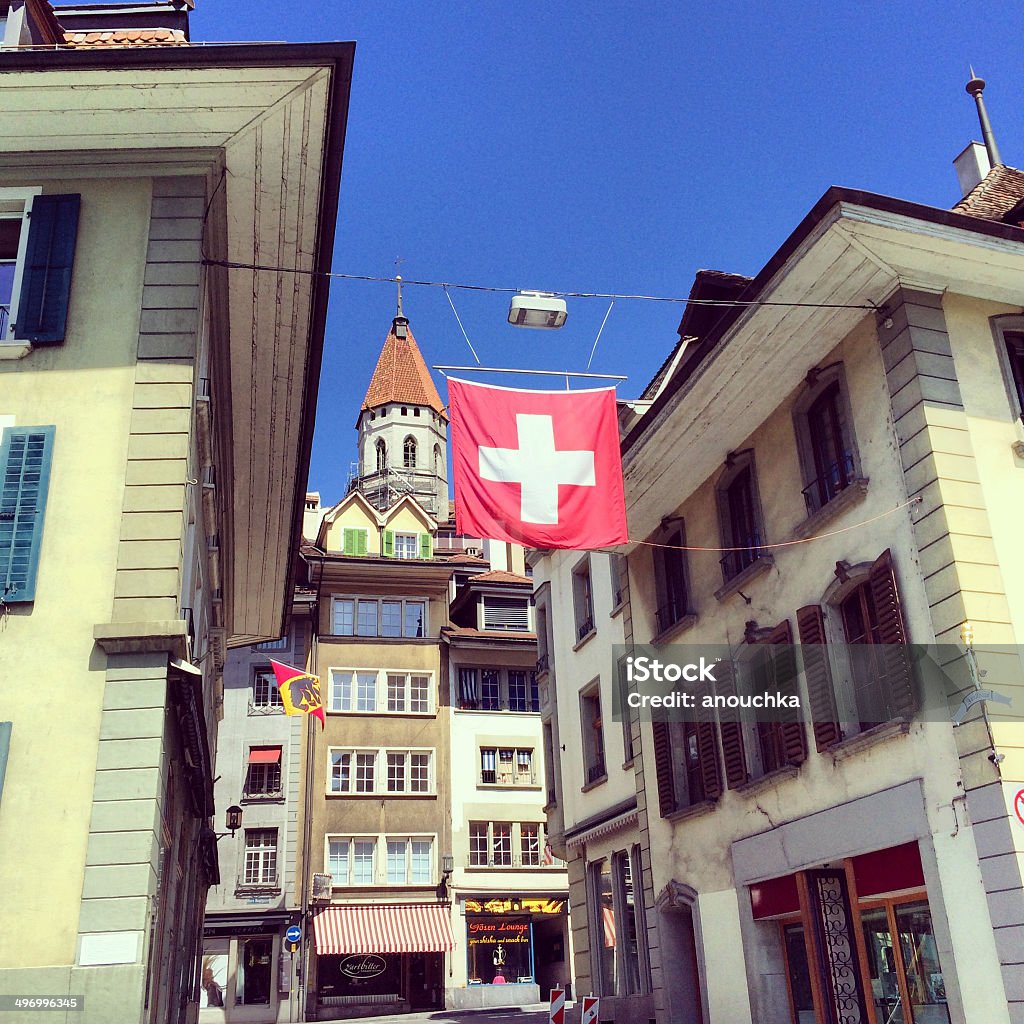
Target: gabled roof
995,195
401,375
500,576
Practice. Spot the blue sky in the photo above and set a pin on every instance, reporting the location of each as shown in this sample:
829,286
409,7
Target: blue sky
608,147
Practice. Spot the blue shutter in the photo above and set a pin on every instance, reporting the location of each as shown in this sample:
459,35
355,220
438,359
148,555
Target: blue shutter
46,279
25,454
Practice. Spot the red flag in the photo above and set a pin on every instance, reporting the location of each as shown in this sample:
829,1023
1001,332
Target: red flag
539,468
300,692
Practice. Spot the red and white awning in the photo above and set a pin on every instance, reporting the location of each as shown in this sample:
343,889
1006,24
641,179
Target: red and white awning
384,928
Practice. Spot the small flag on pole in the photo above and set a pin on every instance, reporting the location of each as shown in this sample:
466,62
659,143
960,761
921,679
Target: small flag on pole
300,692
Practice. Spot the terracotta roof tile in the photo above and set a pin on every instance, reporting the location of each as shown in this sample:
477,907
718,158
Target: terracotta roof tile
995,195
500,576
464,559
126,37
402,376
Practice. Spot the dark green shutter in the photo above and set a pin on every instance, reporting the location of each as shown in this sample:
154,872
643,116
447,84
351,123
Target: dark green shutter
426,547
46,279
25,454
389,543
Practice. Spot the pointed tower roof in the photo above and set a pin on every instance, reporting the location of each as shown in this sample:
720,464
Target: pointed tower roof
401,375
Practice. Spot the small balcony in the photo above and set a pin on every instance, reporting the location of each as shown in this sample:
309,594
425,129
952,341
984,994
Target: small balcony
543,664
596,770
266,885
502,778
585,628
836,478
748,551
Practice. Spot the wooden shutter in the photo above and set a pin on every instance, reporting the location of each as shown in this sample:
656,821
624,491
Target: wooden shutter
46,279
893,636
426,546
820,692
360,542
25,454
707,747
348,546
791,728
733,751
663,767
389,544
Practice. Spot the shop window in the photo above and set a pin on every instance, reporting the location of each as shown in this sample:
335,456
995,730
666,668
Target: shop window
824,434
213,974
801,995
583,599
255,972
739,515
499,949
592,729
603,935
670,579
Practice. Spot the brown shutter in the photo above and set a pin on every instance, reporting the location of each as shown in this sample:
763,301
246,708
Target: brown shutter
820,692
663,768
893,636
707,748
791,728
732,729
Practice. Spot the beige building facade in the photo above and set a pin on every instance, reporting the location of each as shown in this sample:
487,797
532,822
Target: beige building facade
867,865
124,567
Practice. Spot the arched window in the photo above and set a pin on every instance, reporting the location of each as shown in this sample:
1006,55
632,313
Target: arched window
409,453
438,464
382,456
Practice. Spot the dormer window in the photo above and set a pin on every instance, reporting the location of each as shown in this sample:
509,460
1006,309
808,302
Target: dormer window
507,613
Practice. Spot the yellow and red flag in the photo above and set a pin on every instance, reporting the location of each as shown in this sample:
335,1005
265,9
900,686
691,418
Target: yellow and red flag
300,692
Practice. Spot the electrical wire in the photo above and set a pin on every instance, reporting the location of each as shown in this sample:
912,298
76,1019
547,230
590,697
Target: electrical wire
600,331
734,303
461,328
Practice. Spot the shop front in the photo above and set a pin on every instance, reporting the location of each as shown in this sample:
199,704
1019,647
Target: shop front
381,959
858,940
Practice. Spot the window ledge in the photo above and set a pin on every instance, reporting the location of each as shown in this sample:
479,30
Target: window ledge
617,610
380,796
599,781
507,786
585,640
15,349
760,565
876,734
762,782
627,765
851,495
693,811
260,798
668,635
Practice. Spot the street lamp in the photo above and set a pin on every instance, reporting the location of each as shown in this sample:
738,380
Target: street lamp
536,309
233,819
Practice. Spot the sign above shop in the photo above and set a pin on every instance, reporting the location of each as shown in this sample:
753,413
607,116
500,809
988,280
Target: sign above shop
524,905
363,965
499,931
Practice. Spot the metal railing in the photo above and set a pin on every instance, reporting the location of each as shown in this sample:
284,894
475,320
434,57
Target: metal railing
268,884
734,562
585,628
530,861
512,778
5,316
670,613
543,663
836,478
596,770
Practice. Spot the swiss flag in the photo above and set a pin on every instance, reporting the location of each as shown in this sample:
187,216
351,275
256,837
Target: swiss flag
538,468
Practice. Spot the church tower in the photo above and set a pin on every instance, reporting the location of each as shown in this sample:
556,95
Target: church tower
403,428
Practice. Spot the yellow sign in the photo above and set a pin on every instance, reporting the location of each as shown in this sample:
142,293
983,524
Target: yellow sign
524,905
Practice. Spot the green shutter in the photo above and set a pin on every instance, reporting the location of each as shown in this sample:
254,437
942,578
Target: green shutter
389,543
46,280
426,546
360,542
25,454
348,546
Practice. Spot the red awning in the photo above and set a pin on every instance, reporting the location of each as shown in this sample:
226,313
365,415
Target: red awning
264,755
387,928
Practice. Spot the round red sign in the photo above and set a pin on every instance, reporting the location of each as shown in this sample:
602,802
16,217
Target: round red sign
1018,805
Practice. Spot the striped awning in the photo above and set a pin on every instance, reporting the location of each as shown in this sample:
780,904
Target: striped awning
384,928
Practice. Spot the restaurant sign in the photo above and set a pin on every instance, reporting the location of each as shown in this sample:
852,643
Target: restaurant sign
503,930
363,965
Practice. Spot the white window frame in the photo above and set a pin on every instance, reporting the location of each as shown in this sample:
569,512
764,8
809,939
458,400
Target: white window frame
380,772
11,197
269,705
335,676
379,872
265,855
379,601
514,775
407,539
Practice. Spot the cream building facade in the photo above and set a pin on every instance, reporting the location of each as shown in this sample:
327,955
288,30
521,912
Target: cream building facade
868,868
136,436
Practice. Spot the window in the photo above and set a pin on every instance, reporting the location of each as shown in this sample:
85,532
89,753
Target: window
593,734
353,541
36,258
25,454
273,645
382,452
493,689
603,935
543,640
506,766
686,763
361,690
255,972
409,453
739,516
266,695
478,844
260,864
501,843
263,777
615,924
438,461
351,861
624,688
490,693
617,574
549,765
519,692
821,417
529,838
379,617
406,545
505,844
1013,346
400,771
670,579
506,613
583,599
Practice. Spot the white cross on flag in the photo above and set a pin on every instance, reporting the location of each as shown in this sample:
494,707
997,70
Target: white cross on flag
538,468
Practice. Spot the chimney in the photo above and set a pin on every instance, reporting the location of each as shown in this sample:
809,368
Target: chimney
972,164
